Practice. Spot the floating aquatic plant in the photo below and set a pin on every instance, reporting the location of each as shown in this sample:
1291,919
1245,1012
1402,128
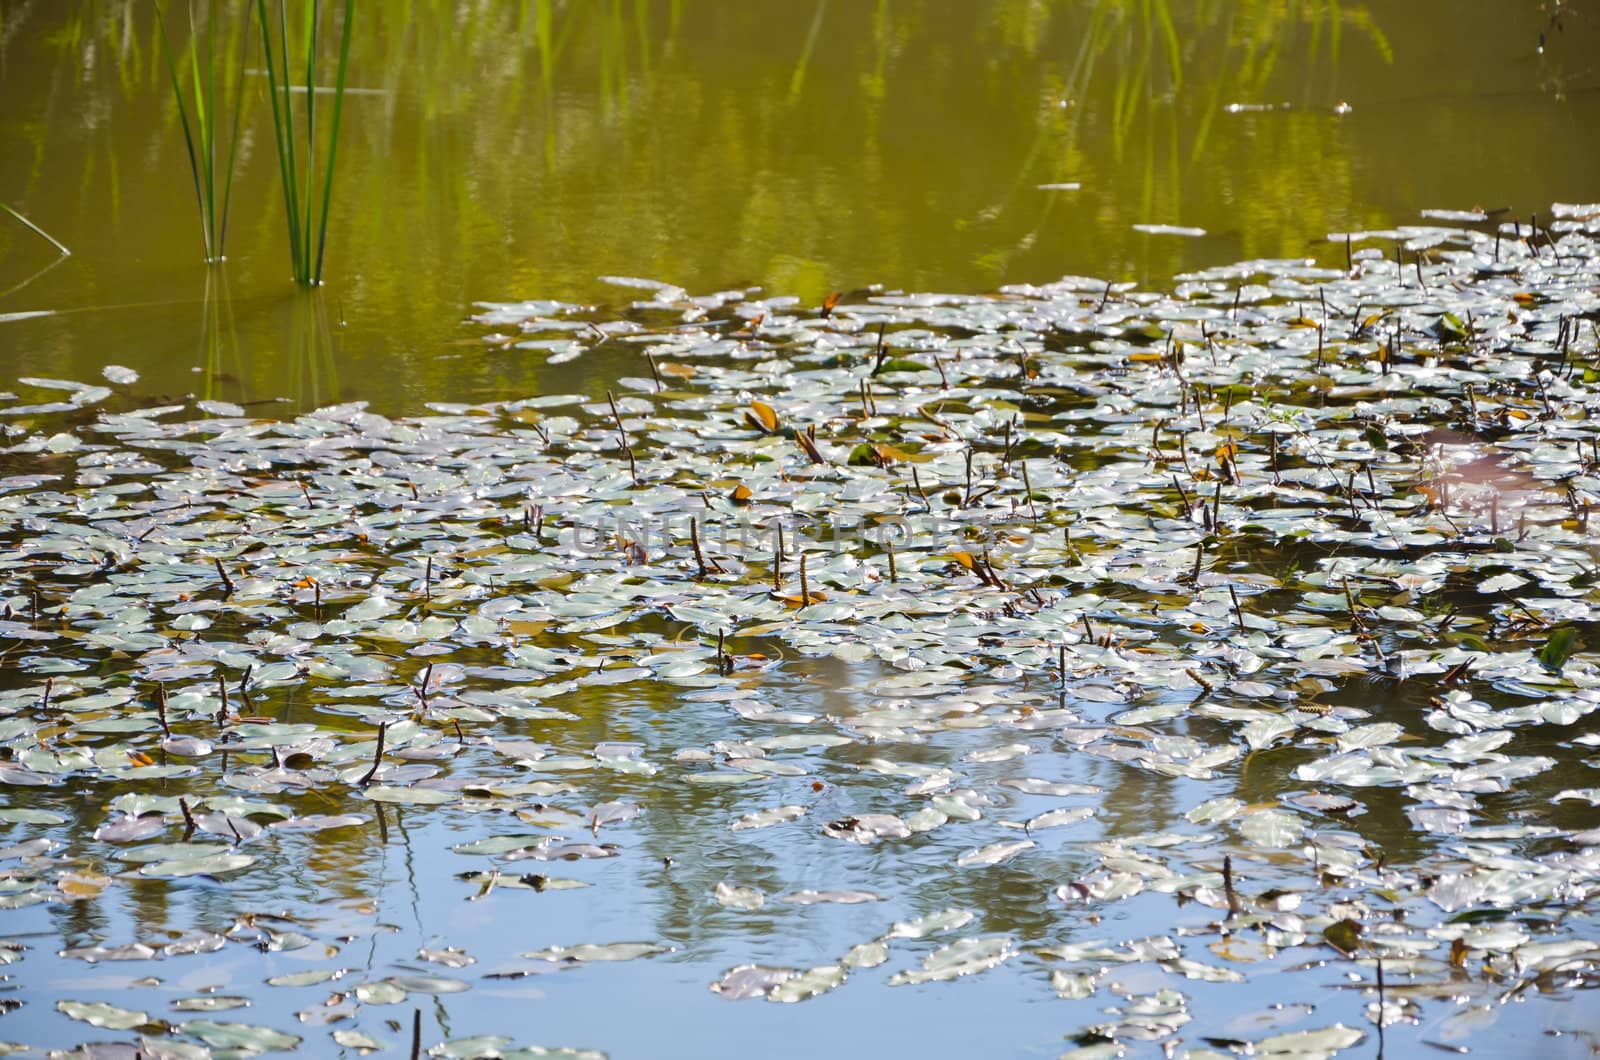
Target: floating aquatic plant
1180,640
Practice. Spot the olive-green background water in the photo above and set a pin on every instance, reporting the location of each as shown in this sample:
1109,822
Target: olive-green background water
523,150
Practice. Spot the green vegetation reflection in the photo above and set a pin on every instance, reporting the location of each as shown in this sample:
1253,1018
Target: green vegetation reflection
527,149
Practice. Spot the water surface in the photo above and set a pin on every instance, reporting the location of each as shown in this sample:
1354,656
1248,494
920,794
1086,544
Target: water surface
463,558
509,151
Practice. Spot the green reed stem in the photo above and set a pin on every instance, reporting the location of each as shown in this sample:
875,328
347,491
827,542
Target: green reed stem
333,136
201,132
309,19
305,210
233,145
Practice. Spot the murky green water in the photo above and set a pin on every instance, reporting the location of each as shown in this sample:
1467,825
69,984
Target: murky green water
521,150
1141,673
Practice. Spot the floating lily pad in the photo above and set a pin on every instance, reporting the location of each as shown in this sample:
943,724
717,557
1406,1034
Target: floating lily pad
246,1037
100,1014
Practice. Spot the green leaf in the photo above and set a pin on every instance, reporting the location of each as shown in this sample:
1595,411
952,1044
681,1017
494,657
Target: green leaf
863,455
1449,328
1143,334
1344,936
900,364
1558,649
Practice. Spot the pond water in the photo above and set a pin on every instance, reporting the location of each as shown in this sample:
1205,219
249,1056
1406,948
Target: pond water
523,150
497,655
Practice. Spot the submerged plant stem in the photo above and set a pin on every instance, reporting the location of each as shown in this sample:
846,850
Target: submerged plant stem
36,230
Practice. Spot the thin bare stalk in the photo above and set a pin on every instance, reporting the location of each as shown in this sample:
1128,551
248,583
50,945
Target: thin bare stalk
36,230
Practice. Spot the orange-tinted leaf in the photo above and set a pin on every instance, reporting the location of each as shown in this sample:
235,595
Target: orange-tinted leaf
762,416
139,758
829,302
741,494
793,599
1242,949
82,884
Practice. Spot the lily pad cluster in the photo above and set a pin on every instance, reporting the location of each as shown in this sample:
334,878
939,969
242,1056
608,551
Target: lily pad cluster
1138,642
